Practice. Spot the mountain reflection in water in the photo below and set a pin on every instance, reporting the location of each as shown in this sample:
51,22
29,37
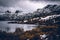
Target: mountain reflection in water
4,26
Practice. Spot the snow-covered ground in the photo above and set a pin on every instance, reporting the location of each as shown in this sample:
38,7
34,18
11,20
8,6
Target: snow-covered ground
49,17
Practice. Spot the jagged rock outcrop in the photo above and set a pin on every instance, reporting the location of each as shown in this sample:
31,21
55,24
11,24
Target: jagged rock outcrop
54,9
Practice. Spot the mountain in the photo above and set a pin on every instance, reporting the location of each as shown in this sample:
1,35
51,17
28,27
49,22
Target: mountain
47,11
50,14
54,9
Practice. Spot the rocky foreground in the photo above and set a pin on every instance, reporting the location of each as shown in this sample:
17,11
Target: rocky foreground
39,33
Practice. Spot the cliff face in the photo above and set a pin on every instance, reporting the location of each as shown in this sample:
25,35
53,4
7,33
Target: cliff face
47,10
53,8
49,13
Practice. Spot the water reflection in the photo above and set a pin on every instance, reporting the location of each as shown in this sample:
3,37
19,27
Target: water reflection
4,26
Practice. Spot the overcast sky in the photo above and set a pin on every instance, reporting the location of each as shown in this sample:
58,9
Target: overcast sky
25,5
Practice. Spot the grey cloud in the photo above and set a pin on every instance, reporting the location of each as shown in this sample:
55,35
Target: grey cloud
13,2
44,0
8,2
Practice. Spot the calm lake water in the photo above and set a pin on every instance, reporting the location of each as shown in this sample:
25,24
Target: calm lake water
4,26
